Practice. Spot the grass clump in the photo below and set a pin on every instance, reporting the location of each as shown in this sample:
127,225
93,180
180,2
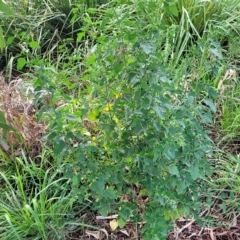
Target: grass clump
223,188
44,29
36,200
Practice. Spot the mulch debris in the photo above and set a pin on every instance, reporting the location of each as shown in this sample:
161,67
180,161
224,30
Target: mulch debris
183,230
18,111
193,231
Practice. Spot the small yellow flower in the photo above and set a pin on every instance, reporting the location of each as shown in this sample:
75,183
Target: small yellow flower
108,107
117,95
115,119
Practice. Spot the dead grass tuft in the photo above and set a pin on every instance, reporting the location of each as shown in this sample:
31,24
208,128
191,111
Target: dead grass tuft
19,114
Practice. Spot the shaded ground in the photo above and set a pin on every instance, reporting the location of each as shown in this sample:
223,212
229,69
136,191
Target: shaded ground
183,230
191,230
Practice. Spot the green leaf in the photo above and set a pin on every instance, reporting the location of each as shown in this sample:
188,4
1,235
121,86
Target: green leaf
181,187
93,115
72,118
216,52
104,208
34,44
209,103
90,60
9,40
135,80
98,186
206,117
194,171
81,159
156,153
164,79
91,10
160,111
121,222
169,153
21,62
104,22
131,37
2,117
5,8
173,9
173,170
190,100
3,120
147,48
109,193
224,207
59,146
157,126
7,128
80,36
4,144
127,2
125,212
169,2
2,41
76,180
118,67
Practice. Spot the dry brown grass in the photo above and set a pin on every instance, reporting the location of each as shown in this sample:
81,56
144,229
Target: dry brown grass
19,114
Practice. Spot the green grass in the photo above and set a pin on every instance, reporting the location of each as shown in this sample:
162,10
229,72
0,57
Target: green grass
230,119
46,29
223,188
36,201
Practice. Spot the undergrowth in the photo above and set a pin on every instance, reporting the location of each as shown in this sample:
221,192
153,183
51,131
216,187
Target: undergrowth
132,94
36,201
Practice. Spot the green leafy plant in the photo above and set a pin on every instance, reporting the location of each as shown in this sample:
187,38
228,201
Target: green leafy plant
7,11
124,92
136,131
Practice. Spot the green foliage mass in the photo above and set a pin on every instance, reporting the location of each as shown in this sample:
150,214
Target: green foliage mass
7,11
124,89
143,127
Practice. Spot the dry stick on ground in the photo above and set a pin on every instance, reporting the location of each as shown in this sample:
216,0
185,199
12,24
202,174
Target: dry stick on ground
108,217
189,224
201,215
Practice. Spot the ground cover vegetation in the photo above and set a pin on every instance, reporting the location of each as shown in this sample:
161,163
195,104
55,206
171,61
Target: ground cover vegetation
119,119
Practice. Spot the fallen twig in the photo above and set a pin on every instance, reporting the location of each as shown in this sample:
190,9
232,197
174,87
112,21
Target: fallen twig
108,217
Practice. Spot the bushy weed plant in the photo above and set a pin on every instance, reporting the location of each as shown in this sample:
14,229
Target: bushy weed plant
133,131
